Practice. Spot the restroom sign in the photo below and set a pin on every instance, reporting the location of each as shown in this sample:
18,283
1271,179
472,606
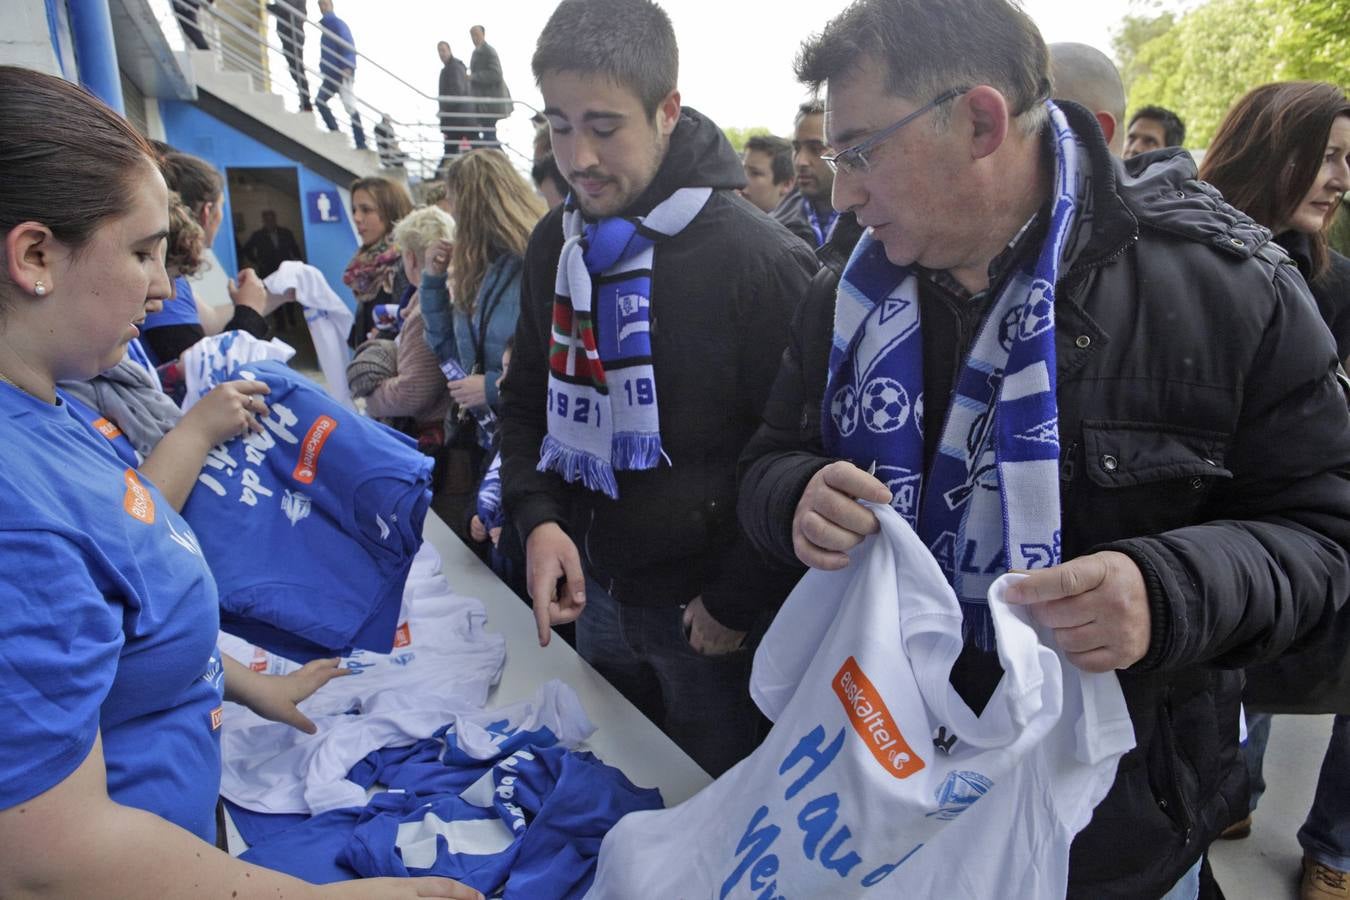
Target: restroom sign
324,207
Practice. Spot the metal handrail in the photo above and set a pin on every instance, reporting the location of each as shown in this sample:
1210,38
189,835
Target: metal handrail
411,137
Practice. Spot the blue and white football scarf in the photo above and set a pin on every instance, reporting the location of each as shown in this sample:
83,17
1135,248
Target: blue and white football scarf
489,500
822,230
483,415
602,408
991,500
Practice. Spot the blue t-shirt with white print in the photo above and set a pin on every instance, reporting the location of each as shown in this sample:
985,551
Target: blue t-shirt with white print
531,826
311,525
109,624
528,825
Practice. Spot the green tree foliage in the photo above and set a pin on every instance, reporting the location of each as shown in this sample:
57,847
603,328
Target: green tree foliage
1315,41
738,136
1199,62
1339,236
1131,35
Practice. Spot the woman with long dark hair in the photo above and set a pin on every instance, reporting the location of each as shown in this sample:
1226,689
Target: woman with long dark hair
1282,155
110,681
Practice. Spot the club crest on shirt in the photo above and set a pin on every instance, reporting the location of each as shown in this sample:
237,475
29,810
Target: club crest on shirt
296,506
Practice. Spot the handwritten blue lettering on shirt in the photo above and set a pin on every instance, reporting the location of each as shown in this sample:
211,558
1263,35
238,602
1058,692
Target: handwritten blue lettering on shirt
823,838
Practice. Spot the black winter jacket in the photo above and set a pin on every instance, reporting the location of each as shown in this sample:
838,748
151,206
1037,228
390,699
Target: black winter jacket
1204,435
454,82
723,291
790,215
1331,289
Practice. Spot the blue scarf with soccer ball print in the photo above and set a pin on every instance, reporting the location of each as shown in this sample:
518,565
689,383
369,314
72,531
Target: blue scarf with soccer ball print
991,500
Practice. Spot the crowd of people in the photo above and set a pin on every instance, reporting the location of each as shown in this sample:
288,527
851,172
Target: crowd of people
668,372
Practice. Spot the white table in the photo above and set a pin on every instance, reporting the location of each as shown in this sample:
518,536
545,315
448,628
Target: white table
623,738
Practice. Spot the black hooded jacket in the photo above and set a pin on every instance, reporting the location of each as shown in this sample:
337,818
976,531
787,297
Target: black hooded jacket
723,291
1204,434
1331,289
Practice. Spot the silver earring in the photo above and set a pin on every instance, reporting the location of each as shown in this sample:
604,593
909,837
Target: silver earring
39,288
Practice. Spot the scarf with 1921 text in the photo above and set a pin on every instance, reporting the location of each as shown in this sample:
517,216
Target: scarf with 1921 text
602,406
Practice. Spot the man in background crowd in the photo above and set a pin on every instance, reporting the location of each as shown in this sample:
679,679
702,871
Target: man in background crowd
1086,75
1152,128
767,161
271,245
290,16
337,64
456,127
807,211
486,81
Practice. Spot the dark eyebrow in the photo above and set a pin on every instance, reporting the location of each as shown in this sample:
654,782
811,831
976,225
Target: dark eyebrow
154,238
589,116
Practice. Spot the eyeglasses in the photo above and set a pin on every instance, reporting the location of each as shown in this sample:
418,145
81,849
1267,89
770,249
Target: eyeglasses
854,159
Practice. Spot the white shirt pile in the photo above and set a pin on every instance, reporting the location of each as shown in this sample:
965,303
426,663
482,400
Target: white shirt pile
439,673
216,359
876,773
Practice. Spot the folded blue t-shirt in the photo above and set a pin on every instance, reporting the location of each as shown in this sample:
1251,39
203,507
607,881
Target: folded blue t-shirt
311,525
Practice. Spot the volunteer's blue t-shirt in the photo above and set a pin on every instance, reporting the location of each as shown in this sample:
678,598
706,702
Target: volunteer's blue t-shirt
311,525
180,309
109,624
104,427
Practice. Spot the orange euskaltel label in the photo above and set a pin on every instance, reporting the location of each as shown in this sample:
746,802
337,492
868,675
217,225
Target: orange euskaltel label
137,500
306,467
107,429
869,716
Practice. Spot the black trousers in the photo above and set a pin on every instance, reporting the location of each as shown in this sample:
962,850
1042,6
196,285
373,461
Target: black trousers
291,30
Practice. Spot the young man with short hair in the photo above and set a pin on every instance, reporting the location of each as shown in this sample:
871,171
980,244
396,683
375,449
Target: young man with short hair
768,171
654,308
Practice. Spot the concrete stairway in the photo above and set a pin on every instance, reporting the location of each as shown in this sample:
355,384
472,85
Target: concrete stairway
236,89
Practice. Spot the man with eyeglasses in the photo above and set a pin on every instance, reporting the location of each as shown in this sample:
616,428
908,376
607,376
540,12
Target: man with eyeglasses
1044,364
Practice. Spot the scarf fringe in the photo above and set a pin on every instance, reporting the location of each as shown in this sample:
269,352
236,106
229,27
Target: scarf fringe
634,450
572,464
977,625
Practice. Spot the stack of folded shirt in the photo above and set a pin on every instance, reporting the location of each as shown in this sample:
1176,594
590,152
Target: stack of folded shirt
311,525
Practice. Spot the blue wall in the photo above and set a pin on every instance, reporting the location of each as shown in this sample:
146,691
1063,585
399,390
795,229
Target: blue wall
328,247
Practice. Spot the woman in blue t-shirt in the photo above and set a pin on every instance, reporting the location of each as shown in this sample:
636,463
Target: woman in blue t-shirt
110,681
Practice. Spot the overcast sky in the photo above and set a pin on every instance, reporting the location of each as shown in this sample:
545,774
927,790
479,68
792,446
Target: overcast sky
735,57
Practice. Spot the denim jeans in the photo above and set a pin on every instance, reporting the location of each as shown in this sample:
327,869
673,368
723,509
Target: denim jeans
343,89
1325,835
702,702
